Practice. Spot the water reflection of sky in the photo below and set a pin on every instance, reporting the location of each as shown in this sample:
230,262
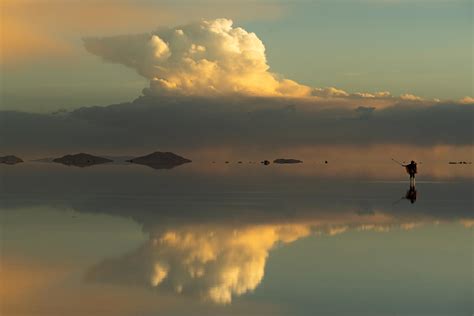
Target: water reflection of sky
111,241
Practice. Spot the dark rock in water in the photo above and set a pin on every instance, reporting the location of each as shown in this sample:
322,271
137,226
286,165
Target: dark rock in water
286,161
226,162
325,161
460,163
265,162
10,160
160,160
81,160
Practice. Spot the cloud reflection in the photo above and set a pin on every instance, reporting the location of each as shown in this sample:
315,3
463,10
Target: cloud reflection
218,263
212,262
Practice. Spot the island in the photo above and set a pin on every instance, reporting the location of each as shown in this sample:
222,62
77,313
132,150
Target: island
81,160
460,163
10,160
286,161
160,160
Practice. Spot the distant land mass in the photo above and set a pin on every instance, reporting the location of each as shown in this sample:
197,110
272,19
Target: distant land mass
286,161
160,160
81,160
10,160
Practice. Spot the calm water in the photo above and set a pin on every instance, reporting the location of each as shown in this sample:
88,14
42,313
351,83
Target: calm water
239,240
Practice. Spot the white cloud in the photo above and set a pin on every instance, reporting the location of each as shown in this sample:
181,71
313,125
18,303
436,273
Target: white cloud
214,58
206,58
410,97
381,94
329,92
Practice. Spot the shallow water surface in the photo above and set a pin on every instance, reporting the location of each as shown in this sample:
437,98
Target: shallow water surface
128,240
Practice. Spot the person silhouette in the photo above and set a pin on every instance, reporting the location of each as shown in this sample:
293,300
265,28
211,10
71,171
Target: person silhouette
412,170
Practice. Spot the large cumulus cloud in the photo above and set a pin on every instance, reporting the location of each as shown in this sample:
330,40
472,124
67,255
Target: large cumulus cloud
212,57
208,57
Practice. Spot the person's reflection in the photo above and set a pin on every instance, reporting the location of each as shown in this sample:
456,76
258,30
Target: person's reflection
411,193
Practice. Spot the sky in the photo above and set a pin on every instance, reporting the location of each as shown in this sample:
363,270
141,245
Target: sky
125,76
421,48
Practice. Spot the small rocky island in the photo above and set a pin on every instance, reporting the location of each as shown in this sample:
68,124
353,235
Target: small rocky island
460,162
160,160
81,160
286,161
10,160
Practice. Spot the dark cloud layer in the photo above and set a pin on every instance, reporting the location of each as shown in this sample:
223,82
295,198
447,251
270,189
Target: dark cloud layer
185,122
